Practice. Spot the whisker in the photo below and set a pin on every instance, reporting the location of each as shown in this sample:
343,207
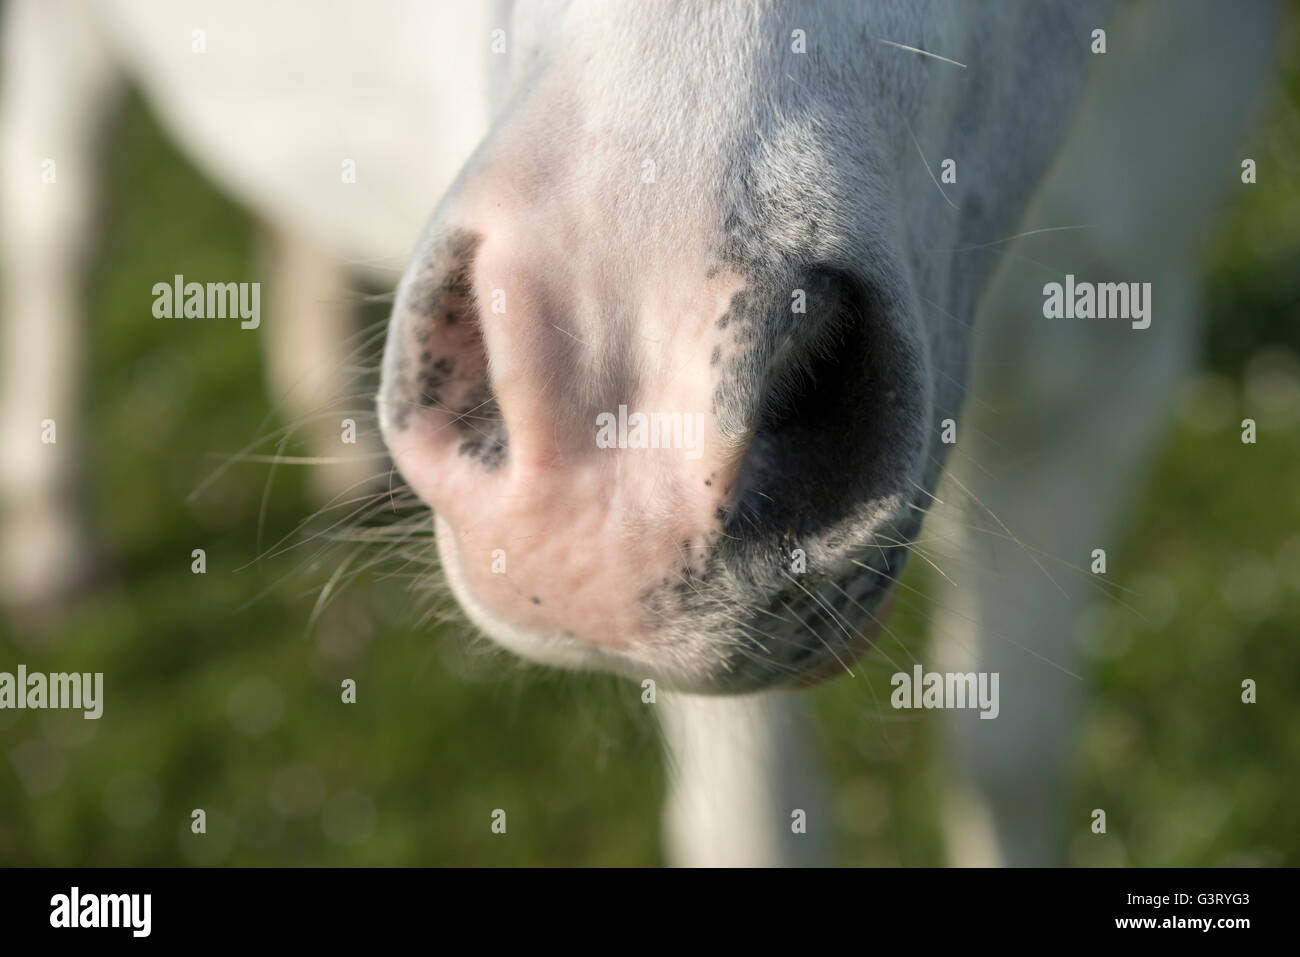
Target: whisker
911,49
927,166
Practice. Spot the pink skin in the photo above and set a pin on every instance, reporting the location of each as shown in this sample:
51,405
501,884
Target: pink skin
585,531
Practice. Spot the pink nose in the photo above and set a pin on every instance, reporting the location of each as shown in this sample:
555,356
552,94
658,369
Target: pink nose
563,432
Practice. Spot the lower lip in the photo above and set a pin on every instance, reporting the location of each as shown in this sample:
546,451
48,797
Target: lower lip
843,658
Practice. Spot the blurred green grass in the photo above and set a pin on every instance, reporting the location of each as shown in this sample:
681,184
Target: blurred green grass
219,697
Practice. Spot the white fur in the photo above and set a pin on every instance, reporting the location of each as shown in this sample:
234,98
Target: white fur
746,790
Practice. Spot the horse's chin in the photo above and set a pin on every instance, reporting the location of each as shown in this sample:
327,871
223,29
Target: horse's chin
701,673
842,660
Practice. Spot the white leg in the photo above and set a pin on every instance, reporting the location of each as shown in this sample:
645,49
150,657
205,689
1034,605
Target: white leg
740,770
310,351
1071,410
1059,479
57,83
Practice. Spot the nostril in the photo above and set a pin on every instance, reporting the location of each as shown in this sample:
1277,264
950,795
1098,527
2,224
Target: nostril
442,290
807,360
482,427
831,429
436,362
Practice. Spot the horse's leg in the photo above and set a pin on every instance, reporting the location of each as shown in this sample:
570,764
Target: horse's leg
1058,479
1069,411
741,769
311,351
57,85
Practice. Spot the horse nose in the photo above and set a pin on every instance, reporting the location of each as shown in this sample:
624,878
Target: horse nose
565,439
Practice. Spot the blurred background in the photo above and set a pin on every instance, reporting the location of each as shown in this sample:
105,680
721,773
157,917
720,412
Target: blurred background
222,689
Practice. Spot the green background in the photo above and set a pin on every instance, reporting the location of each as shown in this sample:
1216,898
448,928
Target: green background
220,696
